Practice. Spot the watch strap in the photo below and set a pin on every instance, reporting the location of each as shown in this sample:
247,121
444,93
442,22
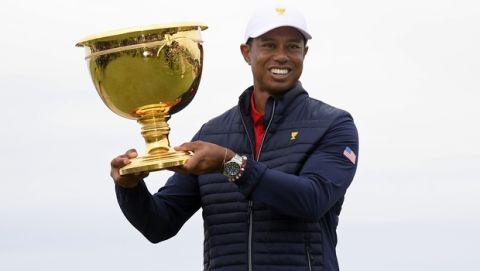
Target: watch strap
239,163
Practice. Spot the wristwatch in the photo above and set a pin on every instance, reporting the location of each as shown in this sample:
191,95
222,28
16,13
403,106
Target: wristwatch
235,167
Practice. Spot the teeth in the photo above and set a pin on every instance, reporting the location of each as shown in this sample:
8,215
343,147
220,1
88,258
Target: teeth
279,71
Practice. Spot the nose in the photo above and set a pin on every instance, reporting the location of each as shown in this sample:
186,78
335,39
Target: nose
281,55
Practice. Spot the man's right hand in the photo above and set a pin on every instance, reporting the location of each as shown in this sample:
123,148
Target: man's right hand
129,180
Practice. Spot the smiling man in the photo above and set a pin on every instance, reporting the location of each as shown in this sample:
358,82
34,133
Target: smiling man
270,174
276,58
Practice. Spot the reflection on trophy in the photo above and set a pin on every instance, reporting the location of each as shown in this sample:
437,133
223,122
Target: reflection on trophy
148,74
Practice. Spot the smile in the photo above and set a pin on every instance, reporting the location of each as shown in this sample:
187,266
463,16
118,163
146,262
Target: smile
278,71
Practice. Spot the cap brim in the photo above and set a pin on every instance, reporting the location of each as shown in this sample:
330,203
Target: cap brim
264,30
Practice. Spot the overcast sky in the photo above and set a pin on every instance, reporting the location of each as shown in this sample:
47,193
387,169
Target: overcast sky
408,71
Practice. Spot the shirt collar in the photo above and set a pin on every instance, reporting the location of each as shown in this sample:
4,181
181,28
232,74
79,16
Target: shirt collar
257,117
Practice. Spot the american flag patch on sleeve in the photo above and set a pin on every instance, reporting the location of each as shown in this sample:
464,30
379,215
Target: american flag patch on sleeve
350,155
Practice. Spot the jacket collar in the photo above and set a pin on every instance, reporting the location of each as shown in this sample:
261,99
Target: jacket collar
283,103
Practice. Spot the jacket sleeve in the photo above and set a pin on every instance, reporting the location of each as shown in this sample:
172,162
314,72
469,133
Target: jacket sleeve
161,215
322,181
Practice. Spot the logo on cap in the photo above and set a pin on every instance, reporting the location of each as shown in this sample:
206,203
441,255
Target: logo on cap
280,11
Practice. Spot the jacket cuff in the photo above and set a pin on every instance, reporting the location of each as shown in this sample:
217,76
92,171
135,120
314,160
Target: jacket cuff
251,177
126,195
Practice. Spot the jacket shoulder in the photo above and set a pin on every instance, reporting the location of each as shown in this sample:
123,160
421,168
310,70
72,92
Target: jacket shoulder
226,122
314,109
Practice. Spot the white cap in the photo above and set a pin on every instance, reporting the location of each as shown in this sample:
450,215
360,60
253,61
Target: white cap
269,18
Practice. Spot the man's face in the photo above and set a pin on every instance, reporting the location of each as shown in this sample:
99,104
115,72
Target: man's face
276,59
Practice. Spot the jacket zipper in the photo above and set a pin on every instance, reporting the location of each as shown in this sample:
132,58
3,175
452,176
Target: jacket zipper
250,202
309,259
250,233
266,130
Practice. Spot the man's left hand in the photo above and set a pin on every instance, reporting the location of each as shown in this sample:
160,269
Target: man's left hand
206,158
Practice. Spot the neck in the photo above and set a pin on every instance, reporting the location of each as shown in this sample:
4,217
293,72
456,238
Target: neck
260,98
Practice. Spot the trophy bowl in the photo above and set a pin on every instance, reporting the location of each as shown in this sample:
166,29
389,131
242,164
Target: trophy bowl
147,74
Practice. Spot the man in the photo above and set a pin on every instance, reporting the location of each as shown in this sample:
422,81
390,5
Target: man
270,174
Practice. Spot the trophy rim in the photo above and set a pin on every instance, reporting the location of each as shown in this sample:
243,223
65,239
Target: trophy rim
137,29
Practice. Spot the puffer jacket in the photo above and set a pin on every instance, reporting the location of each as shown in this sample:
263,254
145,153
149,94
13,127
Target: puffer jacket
282,214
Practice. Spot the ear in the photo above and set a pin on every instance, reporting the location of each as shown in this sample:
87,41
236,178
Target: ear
245,50
305,51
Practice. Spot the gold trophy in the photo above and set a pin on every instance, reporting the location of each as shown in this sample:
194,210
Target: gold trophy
147,74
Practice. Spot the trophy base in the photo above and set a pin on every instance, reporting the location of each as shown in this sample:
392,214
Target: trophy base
155,162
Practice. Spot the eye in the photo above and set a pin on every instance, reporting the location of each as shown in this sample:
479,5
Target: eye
268,45
295,46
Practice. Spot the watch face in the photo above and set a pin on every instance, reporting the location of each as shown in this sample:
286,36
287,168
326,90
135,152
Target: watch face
231,169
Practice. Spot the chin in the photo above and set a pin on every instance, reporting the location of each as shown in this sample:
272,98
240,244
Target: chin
277,89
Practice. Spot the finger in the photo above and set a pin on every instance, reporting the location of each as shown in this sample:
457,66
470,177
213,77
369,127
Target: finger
180,170
132,153
141,175
123,159
185,147
190,164
115,174
129,180
191,146
119,162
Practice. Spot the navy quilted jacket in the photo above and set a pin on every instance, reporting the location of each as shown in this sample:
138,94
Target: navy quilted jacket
282,214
